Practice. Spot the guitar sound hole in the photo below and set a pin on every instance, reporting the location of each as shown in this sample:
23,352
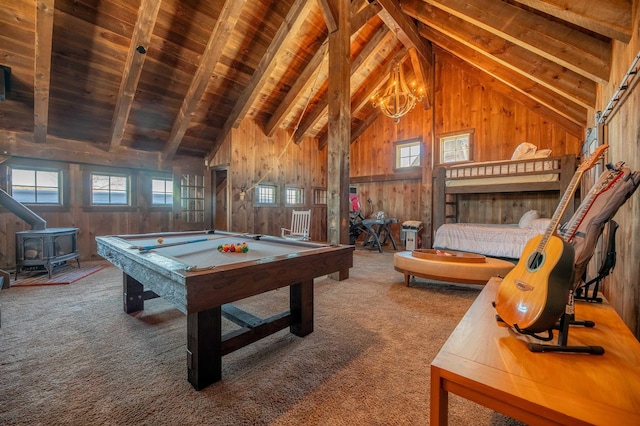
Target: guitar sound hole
535,261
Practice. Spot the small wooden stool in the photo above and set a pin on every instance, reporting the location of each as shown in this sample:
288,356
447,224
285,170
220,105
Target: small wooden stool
449,266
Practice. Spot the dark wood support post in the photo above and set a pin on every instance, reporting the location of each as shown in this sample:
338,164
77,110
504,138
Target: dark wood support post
204,347
339,139
301,305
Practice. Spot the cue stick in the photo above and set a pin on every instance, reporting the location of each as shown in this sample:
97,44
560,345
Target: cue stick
198,240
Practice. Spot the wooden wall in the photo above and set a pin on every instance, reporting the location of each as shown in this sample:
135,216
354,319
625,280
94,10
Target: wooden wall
622,133
91,222
462,101
252,158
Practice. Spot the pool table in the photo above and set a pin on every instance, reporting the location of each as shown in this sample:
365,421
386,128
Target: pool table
187,269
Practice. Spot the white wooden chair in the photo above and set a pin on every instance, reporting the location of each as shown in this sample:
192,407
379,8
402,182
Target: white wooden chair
300,223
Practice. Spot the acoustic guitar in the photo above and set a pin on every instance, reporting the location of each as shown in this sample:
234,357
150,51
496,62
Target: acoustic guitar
533,295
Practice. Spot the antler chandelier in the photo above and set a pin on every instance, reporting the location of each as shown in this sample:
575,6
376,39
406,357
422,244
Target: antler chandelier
397,99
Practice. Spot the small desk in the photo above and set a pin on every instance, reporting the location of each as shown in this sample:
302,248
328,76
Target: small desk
491,365
202,282
378,231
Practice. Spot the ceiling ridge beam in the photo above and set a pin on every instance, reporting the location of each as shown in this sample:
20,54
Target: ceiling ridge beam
576,50
292,23
42,68
559,79
222,30
140,39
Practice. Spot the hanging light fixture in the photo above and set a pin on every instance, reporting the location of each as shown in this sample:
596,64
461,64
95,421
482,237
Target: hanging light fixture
397,98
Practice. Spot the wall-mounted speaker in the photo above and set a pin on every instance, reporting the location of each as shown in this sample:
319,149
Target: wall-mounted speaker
5,81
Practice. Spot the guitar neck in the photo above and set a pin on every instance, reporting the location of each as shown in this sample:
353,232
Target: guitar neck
568,193
562,206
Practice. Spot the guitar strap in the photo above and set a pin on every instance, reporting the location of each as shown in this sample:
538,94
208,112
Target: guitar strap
612,189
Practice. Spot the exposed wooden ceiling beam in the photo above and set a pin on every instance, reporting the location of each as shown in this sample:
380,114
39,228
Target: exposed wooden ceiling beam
302,84
422,56
328,15
359,129
545,72
423,76
219,36
359,17
586,55
395,19
574,128
19,144
363,97
304,80
320,109
140,41
611,18
291,25
561,105
42,68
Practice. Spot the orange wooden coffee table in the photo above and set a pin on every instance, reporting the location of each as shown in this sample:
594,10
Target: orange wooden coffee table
450,266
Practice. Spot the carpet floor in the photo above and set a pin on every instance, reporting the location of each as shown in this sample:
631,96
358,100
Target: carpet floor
69,355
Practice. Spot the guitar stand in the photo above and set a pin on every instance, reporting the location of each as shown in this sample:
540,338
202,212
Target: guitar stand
563,333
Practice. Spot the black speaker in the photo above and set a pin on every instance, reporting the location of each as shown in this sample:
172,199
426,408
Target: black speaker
5,81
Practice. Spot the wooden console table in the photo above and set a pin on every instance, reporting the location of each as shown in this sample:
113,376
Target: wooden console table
491,365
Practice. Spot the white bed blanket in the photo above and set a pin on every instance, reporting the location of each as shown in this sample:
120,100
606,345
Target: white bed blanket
505,241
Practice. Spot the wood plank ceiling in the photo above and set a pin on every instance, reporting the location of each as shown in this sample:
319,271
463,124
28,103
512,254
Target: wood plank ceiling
170,78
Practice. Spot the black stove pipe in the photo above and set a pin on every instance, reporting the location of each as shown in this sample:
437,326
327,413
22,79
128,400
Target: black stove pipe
23,212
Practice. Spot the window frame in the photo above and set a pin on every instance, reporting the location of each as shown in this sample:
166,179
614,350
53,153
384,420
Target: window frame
171,186
276,194
320,200
87,192
440,140
200,188
299,194
50,166
399,145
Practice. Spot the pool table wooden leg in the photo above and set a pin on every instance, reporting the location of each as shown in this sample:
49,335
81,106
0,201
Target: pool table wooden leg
132,294
301,305
204,344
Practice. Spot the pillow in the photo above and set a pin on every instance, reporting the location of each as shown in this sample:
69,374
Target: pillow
527,218
542,153
540,224
524,150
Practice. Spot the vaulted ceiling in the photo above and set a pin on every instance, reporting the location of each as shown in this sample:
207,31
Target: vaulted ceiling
171,78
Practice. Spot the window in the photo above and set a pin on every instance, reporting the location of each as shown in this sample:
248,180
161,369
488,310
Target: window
161,192
408,154
456,147
319,196
294,195
192,198
266,194
36,186
109,190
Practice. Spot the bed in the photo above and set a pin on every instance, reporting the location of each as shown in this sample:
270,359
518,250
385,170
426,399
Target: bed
530,174
494,240
510,183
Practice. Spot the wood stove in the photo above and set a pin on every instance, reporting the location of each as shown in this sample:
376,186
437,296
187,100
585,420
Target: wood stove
46,248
